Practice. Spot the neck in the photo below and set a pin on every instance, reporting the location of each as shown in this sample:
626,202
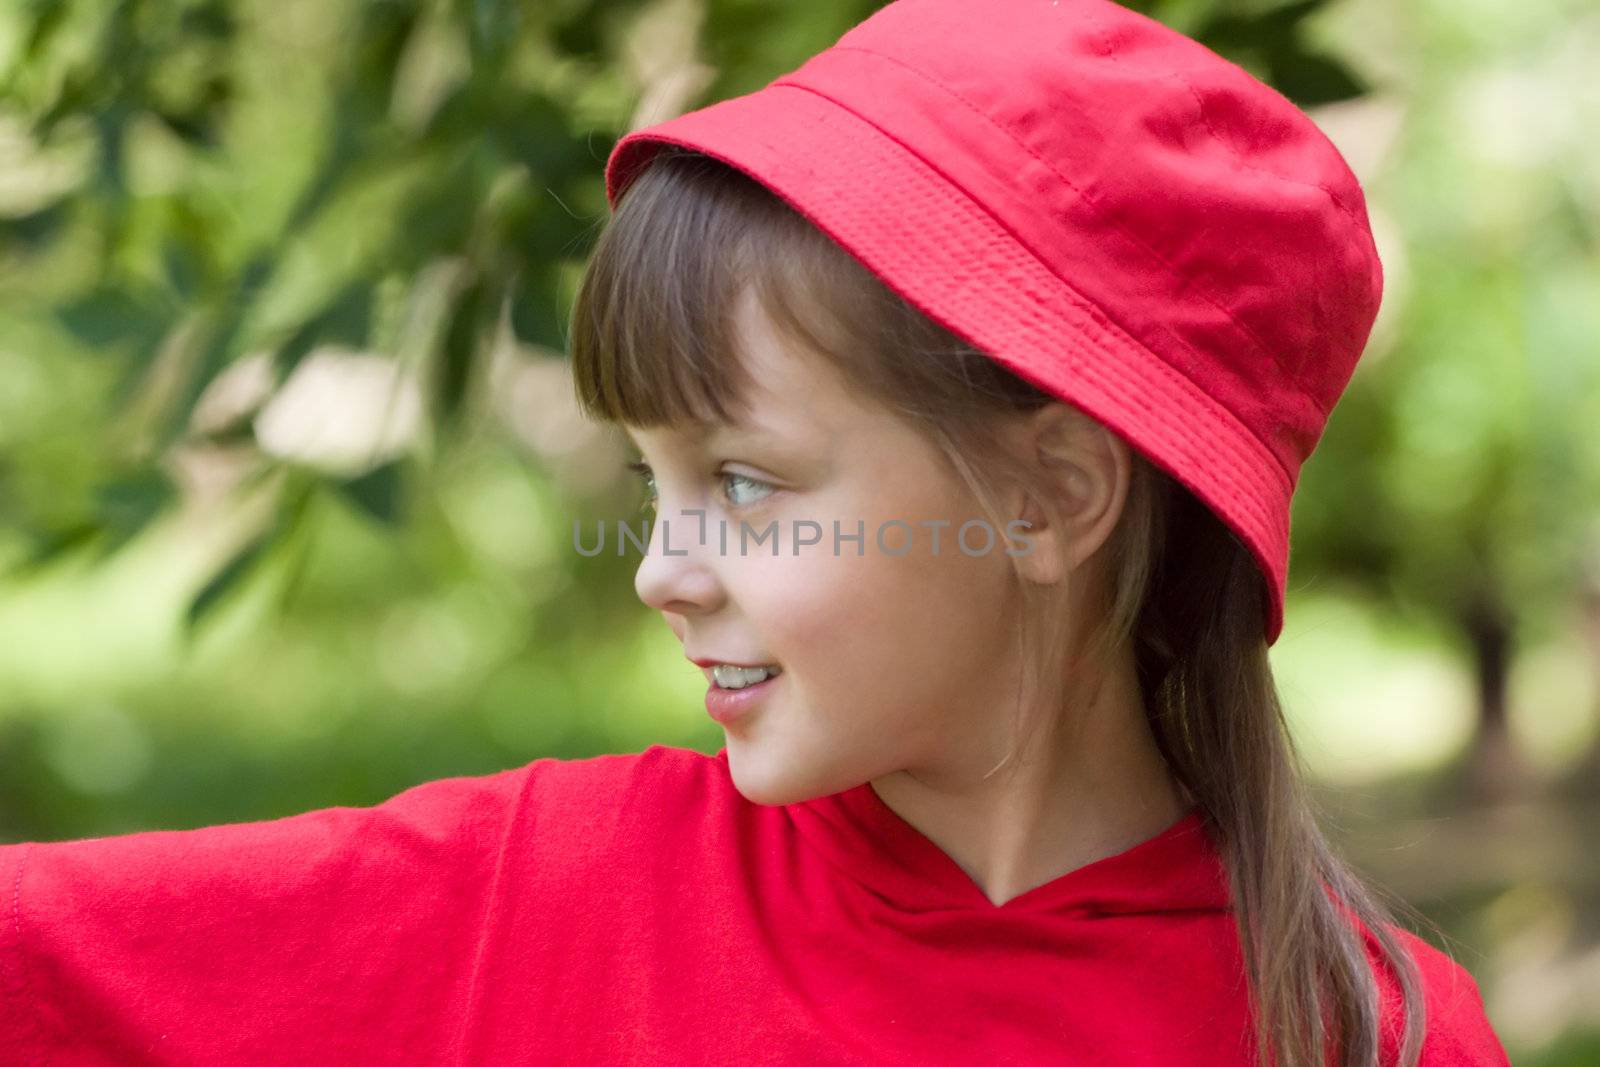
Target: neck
1094,784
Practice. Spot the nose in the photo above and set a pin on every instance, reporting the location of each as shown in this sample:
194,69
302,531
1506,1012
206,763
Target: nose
676,573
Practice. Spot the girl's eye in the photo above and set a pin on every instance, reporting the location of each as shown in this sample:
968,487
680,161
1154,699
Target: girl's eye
643,470
738,484
729,479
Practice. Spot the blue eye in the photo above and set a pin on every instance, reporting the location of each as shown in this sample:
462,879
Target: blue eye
729,478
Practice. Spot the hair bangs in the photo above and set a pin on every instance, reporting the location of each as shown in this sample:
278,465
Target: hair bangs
651,339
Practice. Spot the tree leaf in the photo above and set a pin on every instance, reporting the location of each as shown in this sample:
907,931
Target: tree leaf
127,505
230,576
379,492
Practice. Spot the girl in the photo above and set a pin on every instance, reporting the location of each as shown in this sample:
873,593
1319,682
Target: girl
1045,280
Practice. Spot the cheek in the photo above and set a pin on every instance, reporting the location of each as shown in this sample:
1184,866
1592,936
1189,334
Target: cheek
938,617
882,636
804,607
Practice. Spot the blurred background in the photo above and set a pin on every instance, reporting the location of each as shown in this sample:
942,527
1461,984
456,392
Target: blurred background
289,461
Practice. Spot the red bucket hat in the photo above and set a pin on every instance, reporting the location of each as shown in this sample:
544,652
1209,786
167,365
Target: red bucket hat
1105,206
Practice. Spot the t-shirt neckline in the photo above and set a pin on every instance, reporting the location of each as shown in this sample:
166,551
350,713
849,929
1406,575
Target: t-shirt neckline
1177,869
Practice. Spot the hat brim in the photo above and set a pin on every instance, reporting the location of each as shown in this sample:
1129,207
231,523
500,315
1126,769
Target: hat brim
943,252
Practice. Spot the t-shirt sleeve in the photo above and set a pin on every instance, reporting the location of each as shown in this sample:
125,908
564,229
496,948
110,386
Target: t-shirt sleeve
318,938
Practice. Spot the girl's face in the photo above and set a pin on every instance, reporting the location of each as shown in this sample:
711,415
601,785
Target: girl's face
894,655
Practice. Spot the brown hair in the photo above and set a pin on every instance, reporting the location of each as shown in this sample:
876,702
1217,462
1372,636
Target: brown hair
651,345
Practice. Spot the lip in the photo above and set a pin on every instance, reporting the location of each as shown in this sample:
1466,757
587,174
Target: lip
698,662
728,706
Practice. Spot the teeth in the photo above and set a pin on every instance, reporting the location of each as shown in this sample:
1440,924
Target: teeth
730,677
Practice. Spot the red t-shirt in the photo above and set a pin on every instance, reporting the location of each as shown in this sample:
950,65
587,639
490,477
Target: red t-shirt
623,909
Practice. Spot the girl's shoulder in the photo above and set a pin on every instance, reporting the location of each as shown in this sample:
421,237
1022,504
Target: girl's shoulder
1458,1031
573,786
441,825
149,935
597,816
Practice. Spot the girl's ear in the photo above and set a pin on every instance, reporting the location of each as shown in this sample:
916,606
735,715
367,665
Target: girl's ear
1086,469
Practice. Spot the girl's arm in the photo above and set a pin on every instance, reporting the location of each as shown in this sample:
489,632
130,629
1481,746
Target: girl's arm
327,937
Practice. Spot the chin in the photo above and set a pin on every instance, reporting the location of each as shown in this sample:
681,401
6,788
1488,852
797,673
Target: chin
759,786
774,782
762,783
